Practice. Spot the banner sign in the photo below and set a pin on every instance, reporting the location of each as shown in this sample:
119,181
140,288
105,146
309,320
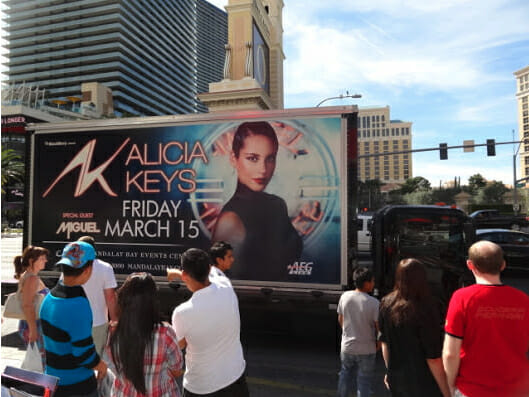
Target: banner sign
272,190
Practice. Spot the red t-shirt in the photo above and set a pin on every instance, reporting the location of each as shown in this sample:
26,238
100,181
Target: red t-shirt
493,322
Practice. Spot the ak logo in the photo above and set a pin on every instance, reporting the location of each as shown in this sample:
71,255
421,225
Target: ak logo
87,176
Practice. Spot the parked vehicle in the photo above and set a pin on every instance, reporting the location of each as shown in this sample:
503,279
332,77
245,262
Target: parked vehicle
439,236
363,221
515,247
492,218
149,188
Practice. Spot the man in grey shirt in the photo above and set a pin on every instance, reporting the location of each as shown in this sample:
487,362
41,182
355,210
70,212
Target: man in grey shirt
358,315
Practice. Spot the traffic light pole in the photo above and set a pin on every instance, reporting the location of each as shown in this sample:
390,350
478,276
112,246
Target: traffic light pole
436,148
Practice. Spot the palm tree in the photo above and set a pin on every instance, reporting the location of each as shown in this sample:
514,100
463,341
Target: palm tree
12,168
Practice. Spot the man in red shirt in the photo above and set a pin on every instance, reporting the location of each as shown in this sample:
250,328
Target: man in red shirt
486,345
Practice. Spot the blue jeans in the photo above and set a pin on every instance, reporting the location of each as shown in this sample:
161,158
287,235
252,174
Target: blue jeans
357,372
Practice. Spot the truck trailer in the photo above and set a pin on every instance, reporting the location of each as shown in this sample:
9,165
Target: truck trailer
149,188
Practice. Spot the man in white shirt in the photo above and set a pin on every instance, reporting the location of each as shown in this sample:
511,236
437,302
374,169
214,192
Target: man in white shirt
221,254
208,326
222,257
100,290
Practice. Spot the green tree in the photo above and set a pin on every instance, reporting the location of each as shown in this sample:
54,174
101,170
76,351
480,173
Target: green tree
445,195
416,184
492,193
475,183
418,197
12,168
369,194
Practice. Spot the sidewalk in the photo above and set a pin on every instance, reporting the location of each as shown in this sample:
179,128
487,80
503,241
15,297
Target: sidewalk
13,349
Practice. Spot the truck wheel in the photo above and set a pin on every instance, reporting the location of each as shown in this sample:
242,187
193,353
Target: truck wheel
515,226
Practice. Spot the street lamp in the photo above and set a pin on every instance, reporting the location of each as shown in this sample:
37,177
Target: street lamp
341,96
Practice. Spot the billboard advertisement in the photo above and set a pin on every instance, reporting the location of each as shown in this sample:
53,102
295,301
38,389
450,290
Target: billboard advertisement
272,189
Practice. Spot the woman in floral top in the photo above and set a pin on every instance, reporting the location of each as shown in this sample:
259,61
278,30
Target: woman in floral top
144,350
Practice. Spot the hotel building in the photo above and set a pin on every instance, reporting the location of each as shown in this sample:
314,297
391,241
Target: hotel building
522,97
378,138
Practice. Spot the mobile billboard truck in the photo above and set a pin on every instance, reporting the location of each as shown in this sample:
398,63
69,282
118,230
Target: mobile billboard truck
147,189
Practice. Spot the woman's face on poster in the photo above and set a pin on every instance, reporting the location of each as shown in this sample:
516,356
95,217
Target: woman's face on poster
256,162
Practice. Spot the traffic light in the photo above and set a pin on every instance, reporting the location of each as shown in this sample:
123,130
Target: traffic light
491,148
443,151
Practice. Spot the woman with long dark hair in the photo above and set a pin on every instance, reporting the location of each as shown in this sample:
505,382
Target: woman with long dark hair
254,222
143,349
27,267
410,332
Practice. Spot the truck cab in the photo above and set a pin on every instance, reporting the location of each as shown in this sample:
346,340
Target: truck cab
439,236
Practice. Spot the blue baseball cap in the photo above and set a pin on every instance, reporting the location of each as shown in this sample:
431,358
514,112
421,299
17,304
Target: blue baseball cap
77,254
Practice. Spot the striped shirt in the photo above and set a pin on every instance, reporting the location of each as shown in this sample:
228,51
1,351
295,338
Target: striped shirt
66,320
159,382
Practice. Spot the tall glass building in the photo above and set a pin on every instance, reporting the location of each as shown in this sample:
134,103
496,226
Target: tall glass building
145,51
212,32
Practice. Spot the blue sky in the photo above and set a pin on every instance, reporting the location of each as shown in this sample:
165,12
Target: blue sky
447,66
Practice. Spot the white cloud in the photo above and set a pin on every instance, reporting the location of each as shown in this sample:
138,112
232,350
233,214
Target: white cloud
407,44
498,110
219,3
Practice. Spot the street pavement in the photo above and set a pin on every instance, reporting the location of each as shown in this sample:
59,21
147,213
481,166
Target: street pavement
12,350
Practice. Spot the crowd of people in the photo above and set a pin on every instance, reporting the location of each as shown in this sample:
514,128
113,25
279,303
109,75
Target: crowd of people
84,327
486,334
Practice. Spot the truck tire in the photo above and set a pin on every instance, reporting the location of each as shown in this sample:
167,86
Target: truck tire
516,227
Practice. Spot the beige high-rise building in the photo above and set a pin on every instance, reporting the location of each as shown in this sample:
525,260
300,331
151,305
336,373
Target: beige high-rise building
522,95
377,133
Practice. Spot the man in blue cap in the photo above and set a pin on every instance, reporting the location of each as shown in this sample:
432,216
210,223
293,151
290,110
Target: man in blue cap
67,326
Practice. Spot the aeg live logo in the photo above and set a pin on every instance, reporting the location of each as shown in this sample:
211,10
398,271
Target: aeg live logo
300,268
